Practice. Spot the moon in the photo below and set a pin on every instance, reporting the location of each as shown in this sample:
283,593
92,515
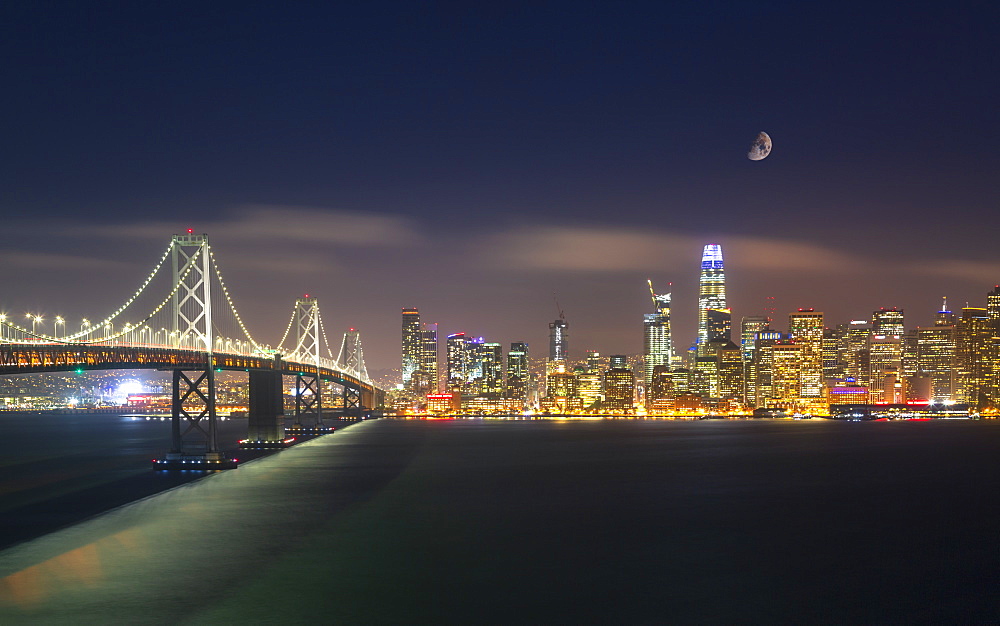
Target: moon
760,148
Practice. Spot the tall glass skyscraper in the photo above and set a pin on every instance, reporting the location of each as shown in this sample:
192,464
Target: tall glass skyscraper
412,344
714,318
657,341
558,339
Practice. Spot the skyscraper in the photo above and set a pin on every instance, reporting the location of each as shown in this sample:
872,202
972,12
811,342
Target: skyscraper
888,322
973,334
619,386
805,327
714,318
428,370
517,370
657,341
412,345
937,356
558,339
456,360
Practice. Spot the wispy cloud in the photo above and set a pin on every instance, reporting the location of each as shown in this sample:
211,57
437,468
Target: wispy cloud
53,261
276,223
619,249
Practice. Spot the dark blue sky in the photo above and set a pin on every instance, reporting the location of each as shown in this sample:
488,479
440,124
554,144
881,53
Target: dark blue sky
471,160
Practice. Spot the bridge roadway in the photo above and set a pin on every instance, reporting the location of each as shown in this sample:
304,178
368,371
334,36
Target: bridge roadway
38,357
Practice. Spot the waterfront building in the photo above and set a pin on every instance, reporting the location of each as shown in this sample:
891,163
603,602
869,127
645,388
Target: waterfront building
854,350
847,391
714,317
660,394
729,368
805,328
491,380
428,368
411,345
657,340
457,362
937,356
973,340
517,370
885,363
786,374
763,367
588,381
619,388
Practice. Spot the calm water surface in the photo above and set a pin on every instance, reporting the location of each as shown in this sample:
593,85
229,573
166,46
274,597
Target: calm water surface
549,522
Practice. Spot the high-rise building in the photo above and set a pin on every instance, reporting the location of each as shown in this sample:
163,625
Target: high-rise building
749,327
517,370
853,350
974,337
558,339
428,370
805,327
619,386
411,345
993,305
657,341
660,393
751,333
885,365
888,322
764,367
457,361
937,357
714,318
786,373
492,379
588,381
593,361
729,359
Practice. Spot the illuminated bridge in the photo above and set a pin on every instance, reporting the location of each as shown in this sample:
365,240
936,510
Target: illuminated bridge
183,319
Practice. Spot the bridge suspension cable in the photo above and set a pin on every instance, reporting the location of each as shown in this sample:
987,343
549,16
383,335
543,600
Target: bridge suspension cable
106,322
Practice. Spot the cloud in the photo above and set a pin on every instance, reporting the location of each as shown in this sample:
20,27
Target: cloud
52,261
276,223
592,249
972,271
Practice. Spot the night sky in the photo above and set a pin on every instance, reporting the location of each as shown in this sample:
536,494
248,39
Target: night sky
471,160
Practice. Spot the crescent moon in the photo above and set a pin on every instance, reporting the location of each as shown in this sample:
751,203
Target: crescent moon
760,148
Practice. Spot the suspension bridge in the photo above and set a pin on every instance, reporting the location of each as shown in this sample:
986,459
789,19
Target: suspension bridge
182,319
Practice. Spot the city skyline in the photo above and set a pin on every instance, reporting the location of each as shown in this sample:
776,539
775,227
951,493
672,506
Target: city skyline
471,161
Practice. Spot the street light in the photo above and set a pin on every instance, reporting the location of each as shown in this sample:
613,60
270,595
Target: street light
34,320
55,325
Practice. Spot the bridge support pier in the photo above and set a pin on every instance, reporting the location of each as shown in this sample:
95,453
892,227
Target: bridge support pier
194,442
265,428
353,405
308,406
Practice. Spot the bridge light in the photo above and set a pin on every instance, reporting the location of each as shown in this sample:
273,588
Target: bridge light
190,231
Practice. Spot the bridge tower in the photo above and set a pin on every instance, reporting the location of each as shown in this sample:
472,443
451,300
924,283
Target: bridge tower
194,440
308,385
352,361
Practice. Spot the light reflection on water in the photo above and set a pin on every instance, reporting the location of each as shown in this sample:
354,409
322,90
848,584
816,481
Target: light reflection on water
590,522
